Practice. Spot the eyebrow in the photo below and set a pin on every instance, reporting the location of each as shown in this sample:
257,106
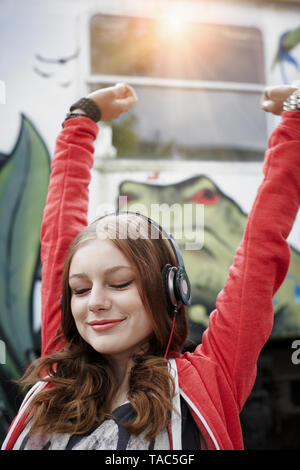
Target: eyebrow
107,271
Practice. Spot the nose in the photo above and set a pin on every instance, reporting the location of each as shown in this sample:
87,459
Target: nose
98,300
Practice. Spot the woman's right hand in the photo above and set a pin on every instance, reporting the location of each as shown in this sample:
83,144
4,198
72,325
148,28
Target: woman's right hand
115,100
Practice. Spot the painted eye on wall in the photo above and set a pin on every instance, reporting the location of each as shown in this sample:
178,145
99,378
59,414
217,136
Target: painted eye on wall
206,196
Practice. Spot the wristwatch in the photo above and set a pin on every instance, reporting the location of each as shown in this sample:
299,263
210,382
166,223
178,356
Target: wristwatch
292,103
90,108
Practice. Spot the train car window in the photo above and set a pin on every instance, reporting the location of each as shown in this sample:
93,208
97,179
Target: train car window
194,99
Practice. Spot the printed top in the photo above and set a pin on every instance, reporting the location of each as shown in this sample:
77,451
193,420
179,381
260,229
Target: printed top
111,435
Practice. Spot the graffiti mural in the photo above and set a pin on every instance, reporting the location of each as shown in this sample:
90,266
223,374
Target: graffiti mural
24,178
288,53
224,223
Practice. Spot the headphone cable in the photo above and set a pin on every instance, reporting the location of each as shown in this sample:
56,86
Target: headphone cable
171,334
165,357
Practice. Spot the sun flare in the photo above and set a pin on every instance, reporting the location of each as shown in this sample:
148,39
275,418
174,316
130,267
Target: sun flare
175,24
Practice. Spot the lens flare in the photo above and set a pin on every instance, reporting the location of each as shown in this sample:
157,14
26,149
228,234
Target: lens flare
173,21
175,24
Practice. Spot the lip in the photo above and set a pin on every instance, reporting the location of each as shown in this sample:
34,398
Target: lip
104,325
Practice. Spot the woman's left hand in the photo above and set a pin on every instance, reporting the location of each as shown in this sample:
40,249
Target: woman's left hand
274,97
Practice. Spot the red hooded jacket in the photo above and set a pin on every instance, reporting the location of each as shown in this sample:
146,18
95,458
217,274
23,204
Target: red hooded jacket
217,378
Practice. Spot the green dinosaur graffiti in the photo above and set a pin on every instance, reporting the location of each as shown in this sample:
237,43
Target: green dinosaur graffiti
24,178
224,223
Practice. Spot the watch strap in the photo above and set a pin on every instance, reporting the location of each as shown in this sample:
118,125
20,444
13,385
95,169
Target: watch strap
292,103
73,115
89,106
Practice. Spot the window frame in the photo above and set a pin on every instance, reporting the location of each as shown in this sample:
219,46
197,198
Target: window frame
88,81
92,79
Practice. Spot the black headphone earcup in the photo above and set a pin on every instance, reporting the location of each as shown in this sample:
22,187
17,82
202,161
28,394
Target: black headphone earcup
164,274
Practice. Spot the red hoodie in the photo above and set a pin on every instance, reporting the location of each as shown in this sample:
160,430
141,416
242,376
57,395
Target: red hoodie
217,378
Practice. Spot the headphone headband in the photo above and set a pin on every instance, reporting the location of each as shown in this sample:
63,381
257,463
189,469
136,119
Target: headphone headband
167,235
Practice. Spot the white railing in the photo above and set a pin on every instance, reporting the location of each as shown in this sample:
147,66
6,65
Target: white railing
176,83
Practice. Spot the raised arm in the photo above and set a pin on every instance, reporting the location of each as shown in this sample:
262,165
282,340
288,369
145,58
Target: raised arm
66,209
243,318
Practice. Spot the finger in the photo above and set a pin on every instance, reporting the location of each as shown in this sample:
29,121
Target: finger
119,89
266,104
123,90
279,92
126,103
272,107
132,92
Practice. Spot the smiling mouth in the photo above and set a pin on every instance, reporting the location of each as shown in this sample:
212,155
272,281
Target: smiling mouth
104,324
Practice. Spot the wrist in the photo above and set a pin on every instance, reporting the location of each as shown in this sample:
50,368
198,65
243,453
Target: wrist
87,106
292,103
84,107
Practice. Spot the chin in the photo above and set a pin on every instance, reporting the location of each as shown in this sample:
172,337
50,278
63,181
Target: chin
107,349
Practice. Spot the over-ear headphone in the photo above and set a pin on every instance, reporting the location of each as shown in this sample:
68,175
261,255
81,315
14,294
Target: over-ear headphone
175,280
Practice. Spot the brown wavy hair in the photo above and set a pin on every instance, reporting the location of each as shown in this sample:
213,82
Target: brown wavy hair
81,381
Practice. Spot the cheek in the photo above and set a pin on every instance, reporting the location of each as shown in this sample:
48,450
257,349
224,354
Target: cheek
132,304
143,320
77,309
128,298
147,326
136,304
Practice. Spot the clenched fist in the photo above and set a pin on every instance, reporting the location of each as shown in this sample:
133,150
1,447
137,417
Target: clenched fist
274,97
114,100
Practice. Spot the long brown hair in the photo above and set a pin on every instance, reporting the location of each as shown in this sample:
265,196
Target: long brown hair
82,381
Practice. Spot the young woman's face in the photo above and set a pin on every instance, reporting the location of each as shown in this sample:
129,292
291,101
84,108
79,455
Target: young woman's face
105,302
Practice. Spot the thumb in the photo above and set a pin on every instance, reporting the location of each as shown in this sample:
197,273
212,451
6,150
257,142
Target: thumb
120,85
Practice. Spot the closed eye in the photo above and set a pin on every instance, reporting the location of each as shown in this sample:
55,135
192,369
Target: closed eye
80,291
121,286
115,286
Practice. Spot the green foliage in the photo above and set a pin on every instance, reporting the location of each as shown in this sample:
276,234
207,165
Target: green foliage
124,137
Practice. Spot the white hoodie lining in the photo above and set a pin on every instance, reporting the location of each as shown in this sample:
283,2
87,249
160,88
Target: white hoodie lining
32,392
176,414
197,412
